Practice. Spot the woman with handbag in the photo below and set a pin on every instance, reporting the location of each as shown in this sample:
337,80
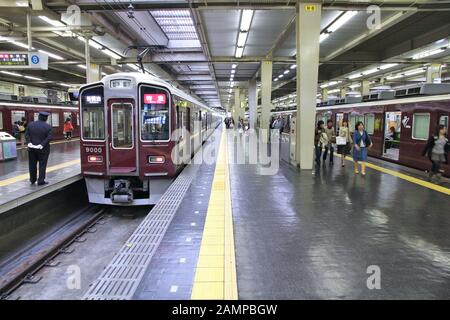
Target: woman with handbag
344,141
361,143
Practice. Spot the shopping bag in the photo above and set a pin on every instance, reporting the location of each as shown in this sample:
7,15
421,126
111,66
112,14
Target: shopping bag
341,141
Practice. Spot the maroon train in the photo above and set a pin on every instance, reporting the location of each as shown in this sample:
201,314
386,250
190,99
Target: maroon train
131,122
11,112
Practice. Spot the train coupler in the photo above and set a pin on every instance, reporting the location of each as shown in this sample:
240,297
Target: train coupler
122,192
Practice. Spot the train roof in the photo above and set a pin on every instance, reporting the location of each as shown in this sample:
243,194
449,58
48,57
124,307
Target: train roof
149,79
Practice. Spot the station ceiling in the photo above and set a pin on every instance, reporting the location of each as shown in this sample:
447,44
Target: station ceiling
193,43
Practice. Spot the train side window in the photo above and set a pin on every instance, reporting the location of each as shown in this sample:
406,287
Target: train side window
17,115
443,120
55,119
369,121
49,118
1,120
67,115
421,126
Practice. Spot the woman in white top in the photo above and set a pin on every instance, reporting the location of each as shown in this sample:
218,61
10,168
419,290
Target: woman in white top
344,149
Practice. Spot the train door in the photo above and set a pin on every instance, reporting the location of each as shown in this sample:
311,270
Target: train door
122,149
392,130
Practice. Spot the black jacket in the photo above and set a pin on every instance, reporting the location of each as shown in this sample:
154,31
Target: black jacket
39,132
430,144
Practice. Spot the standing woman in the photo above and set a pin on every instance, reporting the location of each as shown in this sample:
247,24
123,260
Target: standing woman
437,149
320,140
361,141
68,128
344,149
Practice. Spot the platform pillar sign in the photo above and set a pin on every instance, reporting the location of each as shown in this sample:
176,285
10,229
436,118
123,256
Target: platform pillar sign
23,60
434,73
252,100
307,38
266,93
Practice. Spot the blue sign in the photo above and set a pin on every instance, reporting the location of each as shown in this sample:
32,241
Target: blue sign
35,59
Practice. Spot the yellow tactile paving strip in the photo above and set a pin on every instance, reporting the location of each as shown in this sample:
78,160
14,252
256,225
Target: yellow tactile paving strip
26,176
215,276
403,176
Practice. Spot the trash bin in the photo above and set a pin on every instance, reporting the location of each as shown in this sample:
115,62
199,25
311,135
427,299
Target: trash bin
7,146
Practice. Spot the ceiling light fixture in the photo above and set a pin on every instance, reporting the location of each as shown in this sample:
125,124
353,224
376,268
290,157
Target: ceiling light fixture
239,52
428,53
52,55
293,66
12,73
246,20
54,23
33,78
343,19
286,72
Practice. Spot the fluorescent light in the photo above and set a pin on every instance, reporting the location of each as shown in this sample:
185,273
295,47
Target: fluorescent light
246,20
413,72
428,53
19,44
286,72
276,79
82,66
242,38
54,56
323,36
293,66
22,3
356,85
343,19
54,23
233,71
239,52
280,76
65,85
111,54
12,73
33,78
387,66
370,71
133,66
394,77
233,66
92,43
354,76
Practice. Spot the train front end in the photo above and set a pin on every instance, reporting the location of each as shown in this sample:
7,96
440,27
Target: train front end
125,140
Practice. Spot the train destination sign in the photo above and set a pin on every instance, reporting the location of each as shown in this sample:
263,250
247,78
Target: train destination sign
23,60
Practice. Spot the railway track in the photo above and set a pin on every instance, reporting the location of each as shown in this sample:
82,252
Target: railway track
21,266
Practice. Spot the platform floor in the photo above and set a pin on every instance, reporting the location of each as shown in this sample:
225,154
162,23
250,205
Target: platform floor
63,164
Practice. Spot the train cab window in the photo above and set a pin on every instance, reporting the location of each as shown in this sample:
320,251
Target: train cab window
421,126
369,123
154,114
122,125
93,114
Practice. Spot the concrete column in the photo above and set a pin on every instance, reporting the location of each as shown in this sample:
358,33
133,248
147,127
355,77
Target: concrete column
434,73
324,94
29,36
343,92
252,101
365,87
266,93
242,104
307,36
237,106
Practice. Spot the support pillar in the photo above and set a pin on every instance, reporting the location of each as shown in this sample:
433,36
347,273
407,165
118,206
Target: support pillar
434,73
365,87
343,93
307,23
252,101
324,94
237,106
266,93
29,36
242,104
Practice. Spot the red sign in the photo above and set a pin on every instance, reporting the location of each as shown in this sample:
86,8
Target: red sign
155,98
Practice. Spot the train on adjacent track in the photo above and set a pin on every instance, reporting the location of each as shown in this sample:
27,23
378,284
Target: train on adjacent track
131,123
12,111
399,127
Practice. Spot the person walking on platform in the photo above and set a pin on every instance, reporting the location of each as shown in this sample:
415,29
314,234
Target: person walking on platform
437,149
320,140
331,137
22,128
344,141
68,128
38,136
361,142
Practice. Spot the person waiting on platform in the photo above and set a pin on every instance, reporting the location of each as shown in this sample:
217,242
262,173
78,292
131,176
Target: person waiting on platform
320,140
437,149
68,128
344,145
331,137
361,142
390,136
38,136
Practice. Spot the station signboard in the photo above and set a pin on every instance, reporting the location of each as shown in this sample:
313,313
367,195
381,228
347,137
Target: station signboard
23,60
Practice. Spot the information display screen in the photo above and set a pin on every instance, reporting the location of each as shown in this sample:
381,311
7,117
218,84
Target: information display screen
155,98
13,59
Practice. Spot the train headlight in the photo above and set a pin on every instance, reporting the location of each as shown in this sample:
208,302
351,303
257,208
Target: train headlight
156,159
95,159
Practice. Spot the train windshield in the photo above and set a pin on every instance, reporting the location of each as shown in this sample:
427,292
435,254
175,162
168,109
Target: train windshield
93,114
154,117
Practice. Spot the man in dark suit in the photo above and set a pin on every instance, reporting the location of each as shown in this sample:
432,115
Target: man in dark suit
38,136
